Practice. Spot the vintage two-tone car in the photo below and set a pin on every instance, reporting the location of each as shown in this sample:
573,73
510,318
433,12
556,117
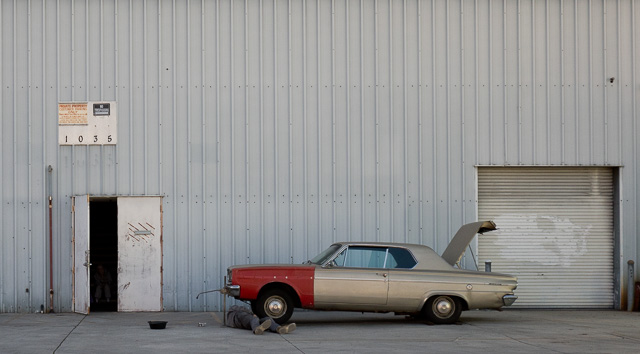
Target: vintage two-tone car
406,279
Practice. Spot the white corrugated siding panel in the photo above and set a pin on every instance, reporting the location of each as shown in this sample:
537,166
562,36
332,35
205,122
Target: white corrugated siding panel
555,233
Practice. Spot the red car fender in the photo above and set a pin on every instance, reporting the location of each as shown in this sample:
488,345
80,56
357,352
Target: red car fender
252,279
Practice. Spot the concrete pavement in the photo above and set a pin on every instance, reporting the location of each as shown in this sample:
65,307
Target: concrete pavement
510,331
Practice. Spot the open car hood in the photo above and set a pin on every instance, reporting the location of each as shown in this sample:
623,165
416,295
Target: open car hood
463,237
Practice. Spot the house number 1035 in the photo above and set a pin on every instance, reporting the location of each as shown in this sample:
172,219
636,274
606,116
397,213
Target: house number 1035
94,139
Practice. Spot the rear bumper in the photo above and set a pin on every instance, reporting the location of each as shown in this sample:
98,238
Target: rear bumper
508,300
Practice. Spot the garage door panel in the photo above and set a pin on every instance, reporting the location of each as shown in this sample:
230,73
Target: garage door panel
555,233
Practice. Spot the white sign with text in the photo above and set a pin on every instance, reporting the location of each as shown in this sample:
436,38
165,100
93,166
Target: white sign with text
87,123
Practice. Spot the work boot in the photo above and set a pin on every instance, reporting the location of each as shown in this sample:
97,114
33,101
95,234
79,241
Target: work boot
286,328
262,327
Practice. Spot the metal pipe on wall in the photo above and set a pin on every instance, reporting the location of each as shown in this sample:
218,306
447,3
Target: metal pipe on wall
49,178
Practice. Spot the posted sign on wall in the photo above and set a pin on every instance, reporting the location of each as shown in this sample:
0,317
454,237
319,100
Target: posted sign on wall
87,123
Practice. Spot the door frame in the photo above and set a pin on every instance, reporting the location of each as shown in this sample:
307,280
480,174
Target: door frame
81,240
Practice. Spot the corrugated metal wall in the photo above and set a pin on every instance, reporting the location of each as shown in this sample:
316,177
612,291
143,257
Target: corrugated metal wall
273,128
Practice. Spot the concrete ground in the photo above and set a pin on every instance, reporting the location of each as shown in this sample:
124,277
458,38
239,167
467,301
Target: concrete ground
510,331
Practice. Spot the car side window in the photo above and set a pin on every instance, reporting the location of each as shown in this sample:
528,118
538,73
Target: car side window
400,258
339,260
362,257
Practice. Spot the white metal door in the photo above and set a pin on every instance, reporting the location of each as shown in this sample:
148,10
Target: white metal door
555,233
81,257
139,254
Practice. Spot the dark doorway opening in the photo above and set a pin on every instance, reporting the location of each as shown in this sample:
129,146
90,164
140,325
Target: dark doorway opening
104,254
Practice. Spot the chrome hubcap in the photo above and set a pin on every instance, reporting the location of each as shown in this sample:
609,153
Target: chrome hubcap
275,307
443,307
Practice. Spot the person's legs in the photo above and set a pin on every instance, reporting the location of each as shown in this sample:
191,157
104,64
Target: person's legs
276,328
286,329
98,293
245,320
107,292
259,326
273,327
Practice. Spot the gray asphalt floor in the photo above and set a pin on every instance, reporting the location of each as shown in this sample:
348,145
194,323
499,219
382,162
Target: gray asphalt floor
510,331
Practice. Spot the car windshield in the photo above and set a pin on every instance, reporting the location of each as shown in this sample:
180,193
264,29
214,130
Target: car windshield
325,255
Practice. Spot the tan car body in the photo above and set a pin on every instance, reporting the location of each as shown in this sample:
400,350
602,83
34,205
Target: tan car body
407,290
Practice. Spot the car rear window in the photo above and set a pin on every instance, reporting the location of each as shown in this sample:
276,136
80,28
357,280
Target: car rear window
400,258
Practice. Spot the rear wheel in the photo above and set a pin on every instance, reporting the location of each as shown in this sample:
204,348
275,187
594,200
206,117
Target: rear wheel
276,304
443,309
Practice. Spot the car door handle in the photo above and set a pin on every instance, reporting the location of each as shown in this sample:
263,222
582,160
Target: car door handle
383,274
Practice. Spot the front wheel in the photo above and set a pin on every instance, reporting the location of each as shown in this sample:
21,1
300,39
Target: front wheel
276,304
443,309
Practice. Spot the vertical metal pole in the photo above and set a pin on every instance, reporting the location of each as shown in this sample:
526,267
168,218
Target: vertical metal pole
224,304
487,266
49,177
630,286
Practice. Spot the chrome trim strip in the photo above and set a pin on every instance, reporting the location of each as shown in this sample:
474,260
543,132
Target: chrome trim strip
376,278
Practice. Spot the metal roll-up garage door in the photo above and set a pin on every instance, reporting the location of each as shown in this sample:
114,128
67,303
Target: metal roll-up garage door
555,233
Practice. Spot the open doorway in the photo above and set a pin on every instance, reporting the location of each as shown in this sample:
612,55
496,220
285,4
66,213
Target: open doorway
104,254
123,236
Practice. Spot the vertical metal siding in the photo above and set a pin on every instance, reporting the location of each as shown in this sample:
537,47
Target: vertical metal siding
274,127
5,259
